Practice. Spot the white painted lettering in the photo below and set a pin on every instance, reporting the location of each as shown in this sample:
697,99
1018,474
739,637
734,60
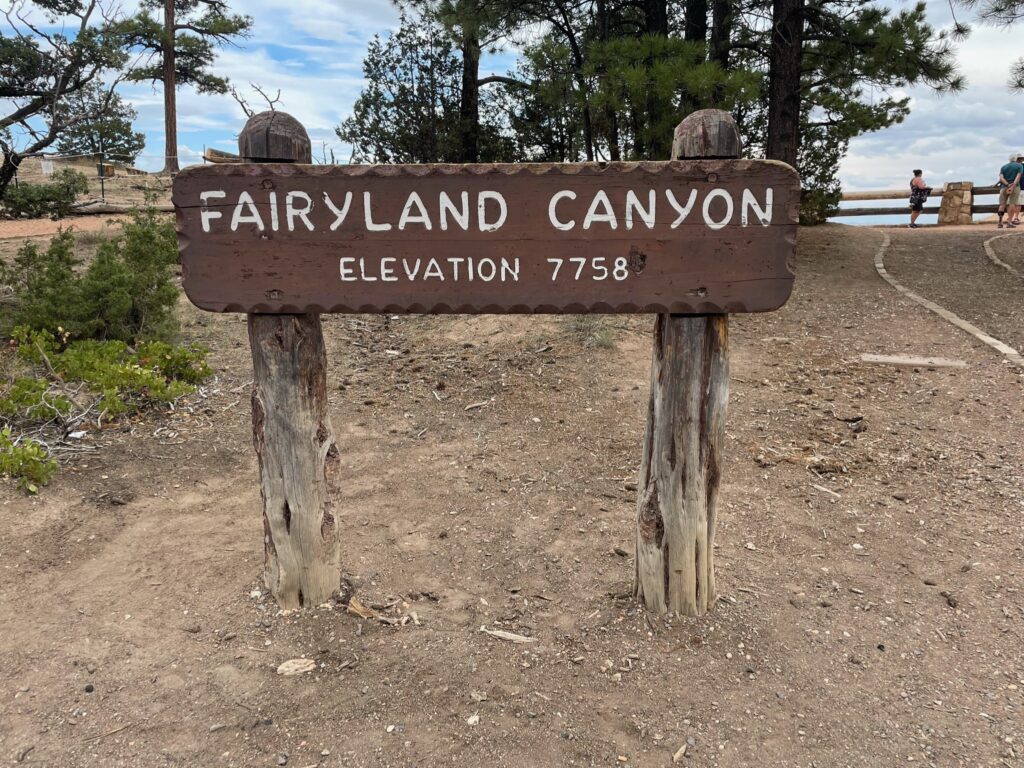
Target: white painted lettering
362,272
339,213
433,270
411,274
764,215
205,213
387,272
481,204
368,216
348,274
292,213
707,208
461,216
646,214
508,270
681,210
486,269
601,198
553,218
455,261
253,217
275,223
408,218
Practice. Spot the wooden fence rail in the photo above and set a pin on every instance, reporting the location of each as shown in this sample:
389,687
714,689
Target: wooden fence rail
958,202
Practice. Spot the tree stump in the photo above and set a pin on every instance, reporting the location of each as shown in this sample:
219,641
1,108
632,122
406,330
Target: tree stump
292,431
677,491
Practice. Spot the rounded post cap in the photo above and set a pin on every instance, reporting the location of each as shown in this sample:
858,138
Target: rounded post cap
706,133
274,137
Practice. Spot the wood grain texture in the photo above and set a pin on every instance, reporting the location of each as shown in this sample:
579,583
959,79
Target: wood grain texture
274,137
691,267
292,431
677,489
296,449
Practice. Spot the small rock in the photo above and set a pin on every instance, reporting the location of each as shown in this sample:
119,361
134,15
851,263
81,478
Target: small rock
750,545
478,696
621,552
680,754
951,601
89,688
473,720
931,583
296,667
218,727
282,759
390,729
255,594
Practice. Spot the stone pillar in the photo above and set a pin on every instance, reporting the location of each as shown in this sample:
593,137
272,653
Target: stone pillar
957,199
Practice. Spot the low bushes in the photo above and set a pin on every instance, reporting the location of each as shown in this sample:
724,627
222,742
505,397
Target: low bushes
53,198
91,344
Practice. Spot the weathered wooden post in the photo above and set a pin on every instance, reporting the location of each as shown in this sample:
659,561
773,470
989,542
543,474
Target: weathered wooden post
291,425
677,492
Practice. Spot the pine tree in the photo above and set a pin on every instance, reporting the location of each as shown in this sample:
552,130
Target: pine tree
42,74
184,35
107,132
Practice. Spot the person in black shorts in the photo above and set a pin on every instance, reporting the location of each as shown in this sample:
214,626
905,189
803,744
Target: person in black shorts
919,192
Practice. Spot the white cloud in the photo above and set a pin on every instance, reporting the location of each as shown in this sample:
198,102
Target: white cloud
952,137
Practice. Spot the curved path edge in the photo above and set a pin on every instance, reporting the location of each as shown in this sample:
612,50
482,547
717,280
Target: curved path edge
1006,350
990,252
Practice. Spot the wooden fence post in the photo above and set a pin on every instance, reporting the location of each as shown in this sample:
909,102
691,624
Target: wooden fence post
677,495
291,425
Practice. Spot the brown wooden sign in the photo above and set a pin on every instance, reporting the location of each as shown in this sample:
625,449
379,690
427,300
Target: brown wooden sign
703,236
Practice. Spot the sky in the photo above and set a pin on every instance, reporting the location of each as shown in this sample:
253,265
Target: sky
312,50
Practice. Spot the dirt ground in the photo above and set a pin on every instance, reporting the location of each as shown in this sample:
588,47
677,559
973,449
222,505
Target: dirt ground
870,551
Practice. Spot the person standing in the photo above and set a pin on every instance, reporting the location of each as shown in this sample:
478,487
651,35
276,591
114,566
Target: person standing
1009,190
1020,193
919,192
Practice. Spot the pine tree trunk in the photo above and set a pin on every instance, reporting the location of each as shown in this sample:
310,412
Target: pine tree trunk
721,33
677,490
170,92
8,169
469,105
696,24
656,17
784,81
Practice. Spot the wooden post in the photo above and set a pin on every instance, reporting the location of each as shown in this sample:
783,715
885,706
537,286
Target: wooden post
291,425
679,473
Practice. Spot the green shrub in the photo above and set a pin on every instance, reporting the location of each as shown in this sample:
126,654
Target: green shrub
53,198
30,399
126,378
127,292
43,284
25,460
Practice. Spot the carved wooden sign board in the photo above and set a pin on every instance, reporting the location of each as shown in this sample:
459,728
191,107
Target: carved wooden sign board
688,237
